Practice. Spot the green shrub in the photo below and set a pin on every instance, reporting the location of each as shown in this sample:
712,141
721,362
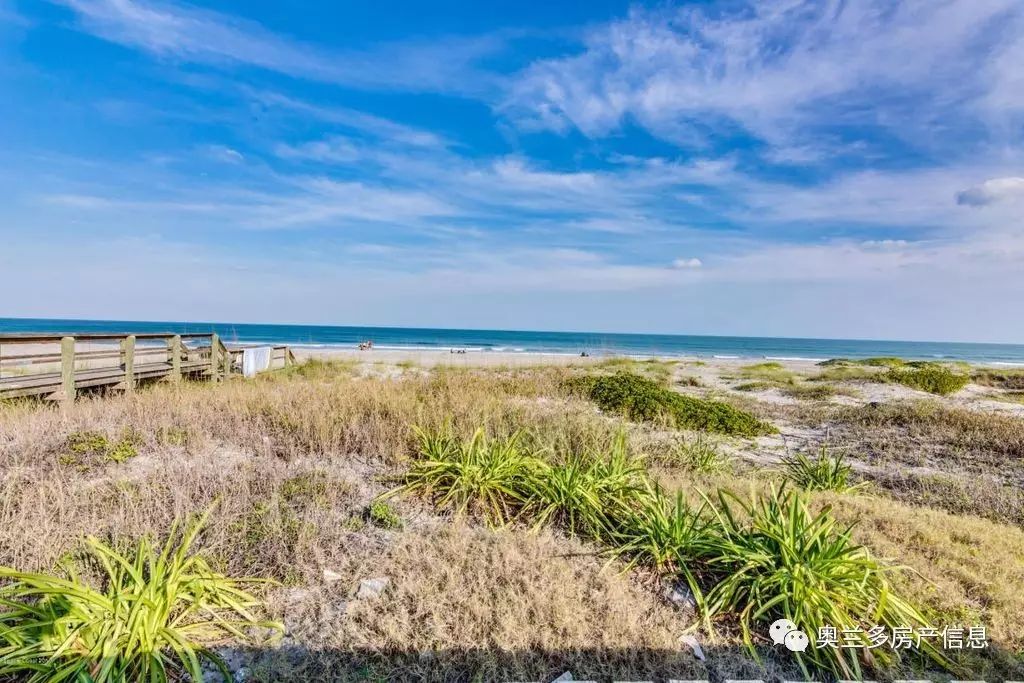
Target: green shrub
665,533
639,398
929,377
489,476
150,621
824,473
585,493
777,560
382,515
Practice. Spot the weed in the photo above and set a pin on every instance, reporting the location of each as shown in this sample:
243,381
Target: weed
824,473
150,620
382,515
701,455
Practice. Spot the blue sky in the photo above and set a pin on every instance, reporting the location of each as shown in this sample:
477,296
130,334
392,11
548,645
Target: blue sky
791,168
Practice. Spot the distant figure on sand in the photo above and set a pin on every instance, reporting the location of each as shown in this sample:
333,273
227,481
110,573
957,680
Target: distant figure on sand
366,345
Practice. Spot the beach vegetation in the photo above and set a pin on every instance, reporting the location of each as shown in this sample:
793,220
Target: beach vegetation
826,471
641,399
383,515
150,616
700,455
776,559
492,476
930,377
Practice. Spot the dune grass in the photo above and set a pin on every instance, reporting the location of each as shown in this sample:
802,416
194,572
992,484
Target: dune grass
151,619
757,562
297,461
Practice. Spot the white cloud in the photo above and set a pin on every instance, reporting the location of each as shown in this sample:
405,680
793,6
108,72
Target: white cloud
991,191
684,263
778,68
172,30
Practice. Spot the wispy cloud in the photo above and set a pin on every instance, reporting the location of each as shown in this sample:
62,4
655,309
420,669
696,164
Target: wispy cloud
188,34
781,69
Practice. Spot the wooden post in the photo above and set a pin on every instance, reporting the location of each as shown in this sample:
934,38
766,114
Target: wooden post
229,360
174,351
214,351
128,362
67,369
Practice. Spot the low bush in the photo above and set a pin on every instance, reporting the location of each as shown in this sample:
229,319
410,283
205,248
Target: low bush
935,379
150,621
639,398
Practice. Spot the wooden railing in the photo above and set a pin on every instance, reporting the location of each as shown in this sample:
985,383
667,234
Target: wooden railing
113,361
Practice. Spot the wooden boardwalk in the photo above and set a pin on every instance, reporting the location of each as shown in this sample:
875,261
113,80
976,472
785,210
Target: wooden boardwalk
59,367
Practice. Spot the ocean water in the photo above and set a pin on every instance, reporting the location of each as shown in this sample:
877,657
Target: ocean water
594,343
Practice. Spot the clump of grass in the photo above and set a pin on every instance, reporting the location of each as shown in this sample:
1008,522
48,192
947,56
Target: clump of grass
667,534
825,472
771,371
930,377
383,515
586,492
639,398
777,560
701,455
491,476
814,392
848,373
1008,379
150,621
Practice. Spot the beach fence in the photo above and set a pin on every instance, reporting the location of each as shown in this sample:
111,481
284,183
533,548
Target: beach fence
58,367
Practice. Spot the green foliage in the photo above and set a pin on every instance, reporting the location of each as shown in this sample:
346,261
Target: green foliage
776,560
701,455
150,620
665,533
382,515
586,492
86,445
930,377
824,473
767,560
639,398
489,476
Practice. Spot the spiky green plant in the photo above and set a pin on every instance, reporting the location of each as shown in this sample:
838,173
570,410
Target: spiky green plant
484,475
776,559
150,621
587,492
826,472
701,455
666,533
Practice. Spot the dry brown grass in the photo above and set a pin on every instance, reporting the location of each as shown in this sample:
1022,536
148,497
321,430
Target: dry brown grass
295,459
